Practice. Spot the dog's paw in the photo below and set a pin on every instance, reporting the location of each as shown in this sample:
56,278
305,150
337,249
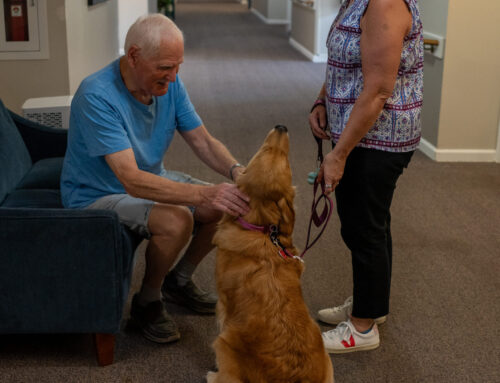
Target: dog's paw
211,376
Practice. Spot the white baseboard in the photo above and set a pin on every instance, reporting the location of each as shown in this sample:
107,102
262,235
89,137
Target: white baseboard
321,58
498,143
268,21
456,155
427,148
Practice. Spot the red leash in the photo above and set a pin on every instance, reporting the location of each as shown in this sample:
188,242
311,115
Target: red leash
323,218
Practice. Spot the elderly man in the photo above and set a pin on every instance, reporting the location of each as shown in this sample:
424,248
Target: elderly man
122,121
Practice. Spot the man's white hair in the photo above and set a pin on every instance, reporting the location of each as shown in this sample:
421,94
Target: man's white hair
149,31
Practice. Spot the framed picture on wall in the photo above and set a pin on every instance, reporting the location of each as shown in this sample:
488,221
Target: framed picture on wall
94,2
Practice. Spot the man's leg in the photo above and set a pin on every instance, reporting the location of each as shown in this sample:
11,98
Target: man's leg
178,286
201,243
170,227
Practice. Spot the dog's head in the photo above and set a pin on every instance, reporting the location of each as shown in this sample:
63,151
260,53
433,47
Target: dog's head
267,180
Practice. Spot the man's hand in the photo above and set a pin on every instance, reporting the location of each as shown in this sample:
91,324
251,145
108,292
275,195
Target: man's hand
226,198
332,170
318,122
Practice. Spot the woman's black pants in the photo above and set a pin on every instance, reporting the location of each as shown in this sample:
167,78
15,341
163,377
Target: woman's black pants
364,198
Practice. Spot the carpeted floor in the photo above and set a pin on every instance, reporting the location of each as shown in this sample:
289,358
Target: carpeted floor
244,78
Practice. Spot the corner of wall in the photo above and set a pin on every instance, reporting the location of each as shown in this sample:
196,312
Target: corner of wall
468,123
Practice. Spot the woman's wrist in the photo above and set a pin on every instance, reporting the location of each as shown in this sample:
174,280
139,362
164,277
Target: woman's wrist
339,153
319,101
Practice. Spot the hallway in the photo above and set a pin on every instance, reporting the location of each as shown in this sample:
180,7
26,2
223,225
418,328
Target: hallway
243,78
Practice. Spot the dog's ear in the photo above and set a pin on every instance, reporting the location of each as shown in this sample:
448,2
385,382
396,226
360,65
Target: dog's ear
287,214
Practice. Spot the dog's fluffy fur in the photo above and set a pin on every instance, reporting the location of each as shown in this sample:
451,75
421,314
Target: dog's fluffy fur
267,334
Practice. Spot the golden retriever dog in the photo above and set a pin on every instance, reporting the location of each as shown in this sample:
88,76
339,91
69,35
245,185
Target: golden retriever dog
266,332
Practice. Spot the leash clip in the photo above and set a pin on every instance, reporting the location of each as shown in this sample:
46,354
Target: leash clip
273,229
299,258
273,236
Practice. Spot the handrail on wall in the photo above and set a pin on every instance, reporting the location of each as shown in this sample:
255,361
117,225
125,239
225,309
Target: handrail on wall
430,44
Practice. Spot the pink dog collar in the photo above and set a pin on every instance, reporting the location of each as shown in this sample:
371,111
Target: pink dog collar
273,235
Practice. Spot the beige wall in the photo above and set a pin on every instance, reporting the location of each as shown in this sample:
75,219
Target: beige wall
277,9
433,81
271,9
471,81
92,38
310,26
326,14
304,27
128,12
23,79
434,14
261,7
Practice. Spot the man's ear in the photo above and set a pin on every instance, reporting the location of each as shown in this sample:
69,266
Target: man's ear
133,55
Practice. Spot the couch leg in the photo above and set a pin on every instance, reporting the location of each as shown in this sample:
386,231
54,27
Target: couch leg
105,348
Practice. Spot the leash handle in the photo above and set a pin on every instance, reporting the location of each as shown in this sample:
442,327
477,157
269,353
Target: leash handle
318,219
325,215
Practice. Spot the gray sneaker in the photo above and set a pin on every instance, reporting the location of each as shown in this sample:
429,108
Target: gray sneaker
342,313
153,320
189,295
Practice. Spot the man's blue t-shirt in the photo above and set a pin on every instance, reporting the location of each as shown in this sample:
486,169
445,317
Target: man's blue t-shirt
105,118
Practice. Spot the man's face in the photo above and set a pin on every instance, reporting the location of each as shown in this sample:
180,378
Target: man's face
154,73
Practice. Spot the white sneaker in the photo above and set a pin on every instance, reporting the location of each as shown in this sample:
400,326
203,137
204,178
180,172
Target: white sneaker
342,313
345,338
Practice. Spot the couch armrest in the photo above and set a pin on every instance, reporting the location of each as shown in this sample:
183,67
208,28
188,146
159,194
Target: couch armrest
62,271
40,140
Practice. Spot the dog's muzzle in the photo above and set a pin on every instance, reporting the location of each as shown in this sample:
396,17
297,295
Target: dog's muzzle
281,128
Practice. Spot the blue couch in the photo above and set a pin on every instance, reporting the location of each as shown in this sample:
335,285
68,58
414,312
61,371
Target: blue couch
61,270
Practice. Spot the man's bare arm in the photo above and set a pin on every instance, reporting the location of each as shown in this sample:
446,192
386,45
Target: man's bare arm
141,184
211,151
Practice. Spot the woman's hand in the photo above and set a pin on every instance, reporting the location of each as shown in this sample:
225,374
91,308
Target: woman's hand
332,170
318,122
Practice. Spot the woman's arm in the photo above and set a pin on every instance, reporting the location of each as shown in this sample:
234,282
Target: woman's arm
384,26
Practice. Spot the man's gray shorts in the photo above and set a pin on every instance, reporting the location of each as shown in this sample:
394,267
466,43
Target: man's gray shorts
134,212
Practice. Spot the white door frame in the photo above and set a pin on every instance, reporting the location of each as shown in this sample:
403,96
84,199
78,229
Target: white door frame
498,140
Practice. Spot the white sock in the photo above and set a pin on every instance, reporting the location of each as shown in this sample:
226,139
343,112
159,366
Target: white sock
149,294
184,272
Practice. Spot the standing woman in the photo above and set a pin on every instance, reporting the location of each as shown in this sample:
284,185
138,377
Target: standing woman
370,103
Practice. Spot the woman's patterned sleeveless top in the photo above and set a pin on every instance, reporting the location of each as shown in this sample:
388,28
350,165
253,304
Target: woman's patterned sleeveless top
398,127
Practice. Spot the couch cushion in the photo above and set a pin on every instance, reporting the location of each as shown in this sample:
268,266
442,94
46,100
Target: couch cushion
15,160
34,198
45,174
